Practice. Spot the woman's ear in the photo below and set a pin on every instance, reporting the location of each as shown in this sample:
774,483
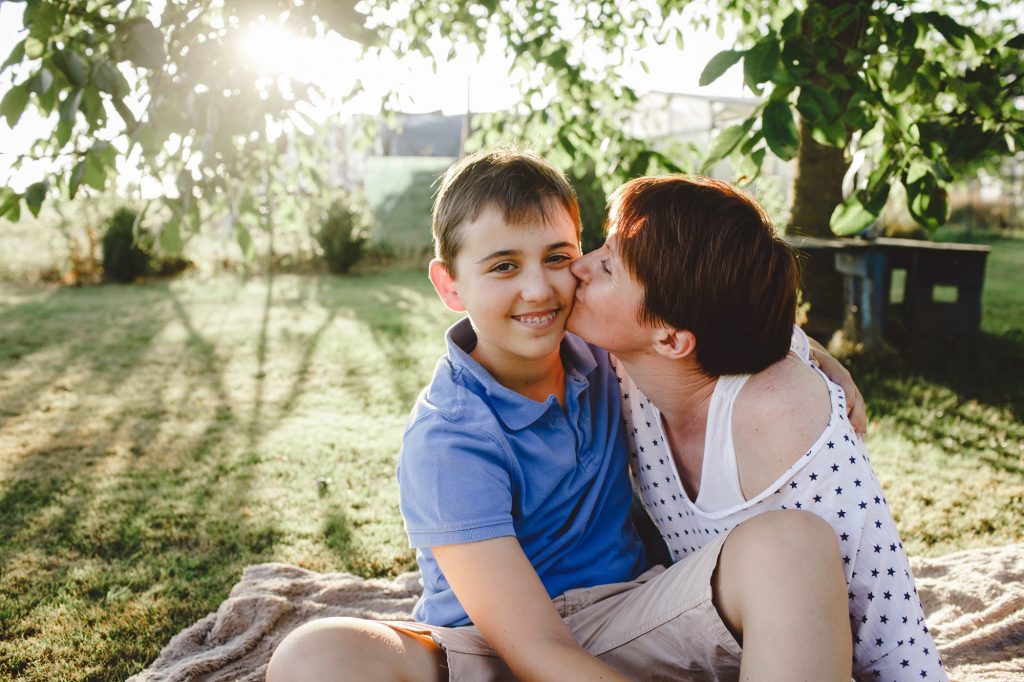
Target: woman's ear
674,344
444,285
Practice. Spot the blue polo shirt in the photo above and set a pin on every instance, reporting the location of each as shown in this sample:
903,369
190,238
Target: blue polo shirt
480,461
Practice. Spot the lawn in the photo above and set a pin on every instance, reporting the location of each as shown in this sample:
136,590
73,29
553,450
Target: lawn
157,438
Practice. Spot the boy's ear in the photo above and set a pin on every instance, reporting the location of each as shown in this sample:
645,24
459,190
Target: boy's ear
444,285
674,343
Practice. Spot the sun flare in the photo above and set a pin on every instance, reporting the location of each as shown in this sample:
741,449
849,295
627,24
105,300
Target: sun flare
272,48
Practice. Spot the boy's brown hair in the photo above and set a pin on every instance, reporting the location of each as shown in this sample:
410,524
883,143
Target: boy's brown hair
521,185
710,262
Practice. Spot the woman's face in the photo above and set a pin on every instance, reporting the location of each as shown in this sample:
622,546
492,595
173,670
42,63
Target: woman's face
607,306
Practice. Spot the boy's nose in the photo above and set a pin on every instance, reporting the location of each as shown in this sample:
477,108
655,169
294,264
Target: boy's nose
537,287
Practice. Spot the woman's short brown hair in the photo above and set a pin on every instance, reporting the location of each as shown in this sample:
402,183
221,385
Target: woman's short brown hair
524,187
710,262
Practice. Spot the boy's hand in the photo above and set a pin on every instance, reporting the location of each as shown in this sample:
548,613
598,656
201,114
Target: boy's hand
835,371
505,599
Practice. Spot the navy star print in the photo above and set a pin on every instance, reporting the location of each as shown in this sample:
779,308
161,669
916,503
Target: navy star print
889,632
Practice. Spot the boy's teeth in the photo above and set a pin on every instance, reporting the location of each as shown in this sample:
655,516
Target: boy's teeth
537,319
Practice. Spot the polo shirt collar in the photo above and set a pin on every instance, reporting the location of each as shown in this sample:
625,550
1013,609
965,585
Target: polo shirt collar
517,411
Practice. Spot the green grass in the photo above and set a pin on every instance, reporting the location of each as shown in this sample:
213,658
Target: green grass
157,438
947,431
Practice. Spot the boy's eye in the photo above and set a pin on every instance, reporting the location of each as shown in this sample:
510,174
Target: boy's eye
559,258
504,266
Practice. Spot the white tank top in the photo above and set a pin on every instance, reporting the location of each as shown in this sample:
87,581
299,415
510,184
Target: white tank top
719,478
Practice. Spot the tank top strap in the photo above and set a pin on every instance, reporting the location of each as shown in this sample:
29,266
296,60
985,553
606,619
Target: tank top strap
719,477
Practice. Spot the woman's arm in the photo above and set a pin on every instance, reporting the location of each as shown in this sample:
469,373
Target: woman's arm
504,597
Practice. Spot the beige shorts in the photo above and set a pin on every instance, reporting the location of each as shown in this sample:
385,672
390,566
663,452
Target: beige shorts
661,626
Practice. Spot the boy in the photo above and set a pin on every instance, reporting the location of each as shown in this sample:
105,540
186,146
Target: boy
515,493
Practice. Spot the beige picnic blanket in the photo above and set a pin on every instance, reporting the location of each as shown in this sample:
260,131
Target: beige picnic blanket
974,601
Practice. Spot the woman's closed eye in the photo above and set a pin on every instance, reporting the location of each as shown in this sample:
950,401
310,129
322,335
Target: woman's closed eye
604,266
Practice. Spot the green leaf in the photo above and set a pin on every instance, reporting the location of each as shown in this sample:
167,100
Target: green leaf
827,133
566,144
849,218
791,24
953,32
142,43
760,61
726,141
876,193
752,141
92,107
13,104
718,65
41,82
928,205
63,133
43,19
69,107
107,78
35,194
639,164
244,240
908,37
779,129
125,113
9,200
823,98
808,107
14,213
105,152
904,71
95,174
48,100
75,179
170,237
16,55
72,65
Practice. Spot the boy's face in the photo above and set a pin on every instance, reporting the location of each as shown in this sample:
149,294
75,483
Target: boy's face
515,284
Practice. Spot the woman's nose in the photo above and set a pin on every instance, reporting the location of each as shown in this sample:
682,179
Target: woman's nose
580,268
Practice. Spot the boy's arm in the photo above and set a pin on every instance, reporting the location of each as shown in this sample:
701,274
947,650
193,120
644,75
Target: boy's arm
836,372
809,350
498,587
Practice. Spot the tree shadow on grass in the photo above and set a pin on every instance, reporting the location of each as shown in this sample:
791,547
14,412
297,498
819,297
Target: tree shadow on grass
403,316
960,395
86,510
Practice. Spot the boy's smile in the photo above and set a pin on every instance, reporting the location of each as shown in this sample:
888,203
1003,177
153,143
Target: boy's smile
514,283
538,320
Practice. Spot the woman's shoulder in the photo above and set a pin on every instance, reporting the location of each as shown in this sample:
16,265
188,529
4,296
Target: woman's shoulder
789,385
779,415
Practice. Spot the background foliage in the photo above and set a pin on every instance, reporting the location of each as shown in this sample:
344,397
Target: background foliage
912,94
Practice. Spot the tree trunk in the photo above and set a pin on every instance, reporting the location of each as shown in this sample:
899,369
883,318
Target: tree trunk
817,186
817,190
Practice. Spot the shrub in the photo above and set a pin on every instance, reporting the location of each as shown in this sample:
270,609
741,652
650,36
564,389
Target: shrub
343,235
591,196
123,258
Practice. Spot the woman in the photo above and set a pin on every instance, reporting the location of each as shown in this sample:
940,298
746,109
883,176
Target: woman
695,296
